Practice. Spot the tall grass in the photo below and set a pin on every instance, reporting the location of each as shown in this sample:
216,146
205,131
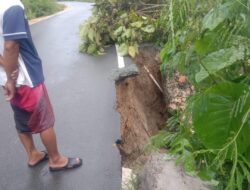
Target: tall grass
38,8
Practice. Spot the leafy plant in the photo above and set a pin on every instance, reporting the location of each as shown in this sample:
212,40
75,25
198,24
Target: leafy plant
94,36
215,145
213,51
38,8
125,23
221,118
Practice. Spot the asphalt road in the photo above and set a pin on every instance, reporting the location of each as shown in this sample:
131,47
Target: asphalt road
83,97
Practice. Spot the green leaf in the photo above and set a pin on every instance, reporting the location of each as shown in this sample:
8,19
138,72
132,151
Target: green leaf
92,49
113,2
217,61
159,140
221,113
133,50
123,49
214,182
137,24
189,162
179,61
207,43
119,30
206,174
91,35
127,33
182,147
247,155
124,15
239,179
245,170
217,15
148,29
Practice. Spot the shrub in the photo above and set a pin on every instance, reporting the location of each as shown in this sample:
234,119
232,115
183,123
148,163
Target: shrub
38,8
126,23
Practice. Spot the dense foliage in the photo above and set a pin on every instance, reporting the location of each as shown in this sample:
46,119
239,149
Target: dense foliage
208,41
88,1
126,23
38,8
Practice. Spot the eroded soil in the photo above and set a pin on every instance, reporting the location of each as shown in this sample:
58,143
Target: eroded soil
141,105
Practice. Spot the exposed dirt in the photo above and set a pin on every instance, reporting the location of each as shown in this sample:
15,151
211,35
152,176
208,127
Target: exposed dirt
144,102
141,105
176,91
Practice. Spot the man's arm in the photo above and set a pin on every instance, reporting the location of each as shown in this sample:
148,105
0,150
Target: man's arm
10,58
10,64
14,75
14,29
1,60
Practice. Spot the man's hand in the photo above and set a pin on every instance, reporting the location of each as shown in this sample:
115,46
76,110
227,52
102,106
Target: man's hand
9,90
10,86
10,64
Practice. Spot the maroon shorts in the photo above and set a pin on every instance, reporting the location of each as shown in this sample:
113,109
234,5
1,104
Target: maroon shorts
33,112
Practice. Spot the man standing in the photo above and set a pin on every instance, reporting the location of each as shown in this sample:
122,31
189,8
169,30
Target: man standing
21,76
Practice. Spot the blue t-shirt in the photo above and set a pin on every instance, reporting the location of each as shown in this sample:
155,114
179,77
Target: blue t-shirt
15,27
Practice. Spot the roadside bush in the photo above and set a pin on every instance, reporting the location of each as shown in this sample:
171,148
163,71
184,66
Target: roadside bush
125,23
38,8
88,1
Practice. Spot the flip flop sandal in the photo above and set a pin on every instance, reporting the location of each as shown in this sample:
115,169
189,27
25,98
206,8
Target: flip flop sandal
44,158
71,164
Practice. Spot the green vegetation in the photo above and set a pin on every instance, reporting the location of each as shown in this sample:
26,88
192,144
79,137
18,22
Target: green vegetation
87,1
208,41
38,8
125,23
211,138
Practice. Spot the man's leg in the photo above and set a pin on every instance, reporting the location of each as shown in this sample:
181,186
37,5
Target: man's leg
55,158
28,119
33,154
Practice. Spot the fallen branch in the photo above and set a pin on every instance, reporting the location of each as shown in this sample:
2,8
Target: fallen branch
153,79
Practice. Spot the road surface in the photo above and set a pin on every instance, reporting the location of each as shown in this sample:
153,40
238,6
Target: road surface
83,97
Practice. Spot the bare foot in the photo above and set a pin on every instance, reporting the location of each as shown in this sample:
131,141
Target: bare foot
35,158
64,163
58,162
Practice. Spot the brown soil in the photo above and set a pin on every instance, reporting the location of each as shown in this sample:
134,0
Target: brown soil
141,105
176,91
